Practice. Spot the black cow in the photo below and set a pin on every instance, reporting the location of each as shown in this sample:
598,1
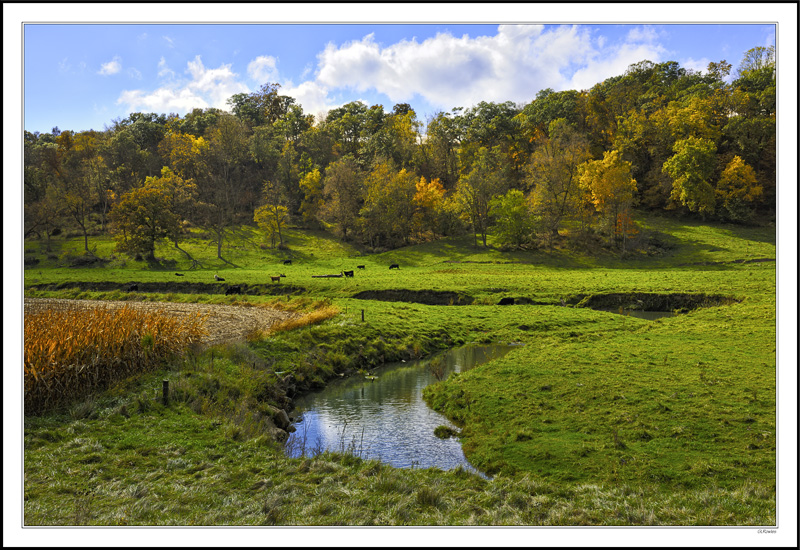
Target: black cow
287,262
218,278
348,273
394,266
233,289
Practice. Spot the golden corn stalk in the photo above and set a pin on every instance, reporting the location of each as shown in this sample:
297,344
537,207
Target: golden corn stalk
71,353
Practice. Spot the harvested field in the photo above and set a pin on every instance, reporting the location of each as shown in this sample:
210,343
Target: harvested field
224,324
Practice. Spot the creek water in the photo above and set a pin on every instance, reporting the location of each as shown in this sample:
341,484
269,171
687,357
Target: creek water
385,418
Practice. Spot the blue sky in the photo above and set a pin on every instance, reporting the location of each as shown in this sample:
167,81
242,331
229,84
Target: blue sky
83,76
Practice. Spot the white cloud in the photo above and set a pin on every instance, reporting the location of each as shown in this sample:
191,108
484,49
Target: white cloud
162,100
169,40
263,69
112,67
444,70
452,71
204,88
164,70
699,65
135,73
313,96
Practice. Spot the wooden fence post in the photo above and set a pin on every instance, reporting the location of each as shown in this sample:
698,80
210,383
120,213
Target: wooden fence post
362,315
165,391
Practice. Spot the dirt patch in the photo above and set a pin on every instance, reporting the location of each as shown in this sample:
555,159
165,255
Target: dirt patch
426,297
224,324
651,301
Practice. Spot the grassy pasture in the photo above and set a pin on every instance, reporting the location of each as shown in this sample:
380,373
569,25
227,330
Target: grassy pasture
597,419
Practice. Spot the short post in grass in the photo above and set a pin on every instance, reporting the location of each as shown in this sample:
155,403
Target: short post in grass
165,391
362,315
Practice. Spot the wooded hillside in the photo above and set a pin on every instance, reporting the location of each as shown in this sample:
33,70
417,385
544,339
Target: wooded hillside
659,137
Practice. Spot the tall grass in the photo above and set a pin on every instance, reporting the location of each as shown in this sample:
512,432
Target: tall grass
70,353
317,316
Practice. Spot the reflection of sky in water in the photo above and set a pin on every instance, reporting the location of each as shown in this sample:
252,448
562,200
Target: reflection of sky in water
385,419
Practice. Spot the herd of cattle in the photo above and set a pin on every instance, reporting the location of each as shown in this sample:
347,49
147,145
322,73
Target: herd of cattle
237,289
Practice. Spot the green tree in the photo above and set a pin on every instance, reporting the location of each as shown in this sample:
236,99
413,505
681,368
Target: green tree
439,150
476,189
386,217
553,175
142,217
221,193
344,194
77,179
514,222
265,106
691,168
182,196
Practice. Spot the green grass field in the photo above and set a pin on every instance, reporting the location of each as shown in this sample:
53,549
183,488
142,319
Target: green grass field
597,419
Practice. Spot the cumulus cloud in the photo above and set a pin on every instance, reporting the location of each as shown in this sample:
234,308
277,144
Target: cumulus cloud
313,96
112,67
449,71
263,69
444,70
513,64
203,88
699,65
162,100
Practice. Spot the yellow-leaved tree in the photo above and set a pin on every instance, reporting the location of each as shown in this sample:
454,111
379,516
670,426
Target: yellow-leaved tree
272,216
738,190
609,187
428,202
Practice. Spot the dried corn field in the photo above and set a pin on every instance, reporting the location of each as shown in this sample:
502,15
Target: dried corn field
73,347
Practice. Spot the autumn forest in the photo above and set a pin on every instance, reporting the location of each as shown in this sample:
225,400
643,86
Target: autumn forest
568,165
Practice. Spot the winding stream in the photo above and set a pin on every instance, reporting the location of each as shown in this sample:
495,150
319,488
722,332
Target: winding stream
386,418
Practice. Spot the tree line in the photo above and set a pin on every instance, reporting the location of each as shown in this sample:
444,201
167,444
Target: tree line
658,137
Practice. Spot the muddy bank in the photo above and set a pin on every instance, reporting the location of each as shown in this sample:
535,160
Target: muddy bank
266,289
644,301
426,297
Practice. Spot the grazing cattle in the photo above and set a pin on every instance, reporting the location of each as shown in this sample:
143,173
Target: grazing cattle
132,287
287,262
275,279
233,289
394,266
361,266
348,273
218,278
179,274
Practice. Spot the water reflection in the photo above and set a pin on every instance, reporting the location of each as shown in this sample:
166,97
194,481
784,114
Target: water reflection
386,418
